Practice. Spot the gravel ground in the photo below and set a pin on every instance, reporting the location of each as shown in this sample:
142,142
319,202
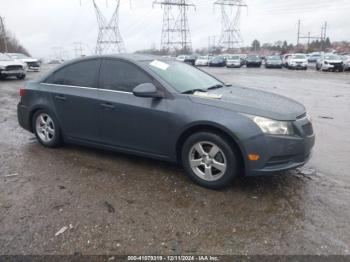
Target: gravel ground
112,203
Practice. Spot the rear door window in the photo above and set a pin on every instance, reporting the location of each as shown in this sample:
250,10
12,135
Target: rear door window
122,76
83,74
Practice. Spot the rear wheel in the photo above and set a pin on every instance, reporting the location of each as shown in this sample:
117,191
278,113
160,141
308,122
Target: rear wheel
209,160
46,129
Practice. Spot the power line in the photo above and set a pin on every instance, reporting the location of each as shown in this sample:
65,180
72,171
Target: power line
175,29
230,23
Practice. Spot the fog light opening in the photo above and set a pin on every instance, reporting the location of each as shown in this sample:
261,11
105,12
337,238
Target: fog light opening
253,157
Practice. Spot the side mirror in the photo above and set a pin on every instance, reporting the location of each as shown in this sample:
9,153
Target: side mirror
147,90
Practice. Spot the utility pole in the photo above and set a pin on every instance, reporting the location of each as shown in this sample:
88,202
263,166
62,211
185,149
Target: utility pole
3,35
298,37
322,37
175,29
230,22
109,39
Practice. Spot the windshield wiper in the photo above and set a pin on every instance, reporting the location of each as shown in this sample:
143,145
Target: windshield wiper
215,87
192,91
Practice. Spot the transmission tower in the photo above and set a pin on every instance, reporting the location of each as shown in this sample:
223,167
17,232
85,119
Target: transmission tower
230,22
3,37
175,30
109,39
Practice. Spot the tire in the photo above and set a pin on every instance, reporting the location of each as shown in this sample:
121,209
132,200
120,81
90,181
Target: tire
196,150
46,129
21,77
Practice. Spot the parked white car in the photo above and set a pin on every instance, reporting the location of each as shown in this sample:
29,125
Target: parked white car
10,67
202,61
234,61
30,63
297,61
330,62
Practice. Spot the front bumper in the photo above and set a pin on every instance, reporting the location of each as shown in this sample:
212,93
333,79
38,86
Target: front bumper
298,66
273,65
201,63
12,72
337,66
280,153
253,64
233,65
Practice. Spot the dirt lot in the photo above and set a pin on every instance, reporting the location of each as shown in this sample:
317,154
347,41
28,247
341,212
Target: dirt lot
117,204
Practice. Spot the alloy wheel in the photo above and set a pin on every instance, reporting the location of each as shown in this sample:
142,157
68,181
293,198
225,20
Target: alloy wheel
207,161
45,127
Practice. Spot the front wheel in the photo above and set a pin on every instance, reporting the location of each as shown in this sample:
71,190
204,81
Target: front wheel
209,160
46,129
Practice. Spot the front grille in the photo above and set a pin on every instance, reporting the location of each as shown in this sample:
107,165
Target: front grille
33,64
308,130
13,67
337,64
301,116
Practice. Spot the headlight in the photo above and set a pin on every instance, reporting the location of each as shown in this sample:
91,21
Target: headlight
273,127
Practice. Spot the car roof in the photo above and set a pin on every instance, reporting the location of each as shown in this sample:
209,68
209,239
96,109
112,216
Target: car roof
130,57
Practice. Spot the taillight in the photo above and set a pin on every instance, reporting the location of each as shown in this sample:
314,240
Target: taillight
22,92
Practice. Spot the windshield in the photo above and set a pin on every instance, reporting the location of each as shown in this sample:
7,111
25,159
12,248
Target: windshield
203,57
4,57
299,57
332,57
182,77
253,57
233,58
274,58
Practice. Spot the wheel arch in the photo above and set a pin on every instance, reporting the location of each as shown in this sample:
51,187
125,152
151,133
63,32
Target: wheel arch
217,129
36,109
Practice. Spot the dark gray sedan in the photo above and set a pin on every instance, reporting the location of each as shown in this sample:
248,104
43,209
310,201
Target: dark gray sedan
167,110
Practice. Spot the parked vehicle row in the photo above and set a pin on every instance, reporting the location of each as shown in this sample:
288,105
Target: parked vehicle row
298,61
16,65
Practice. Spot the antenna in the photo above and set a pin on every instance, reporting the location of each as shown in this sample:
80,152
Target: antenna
109,39
230,22
175,30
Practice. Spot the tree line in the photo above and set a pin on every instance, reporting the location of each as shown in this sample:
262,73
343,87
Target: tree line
9,43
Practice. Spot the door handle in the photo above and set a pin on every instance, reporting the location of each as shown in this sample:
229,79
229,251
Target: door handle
61,97
108,105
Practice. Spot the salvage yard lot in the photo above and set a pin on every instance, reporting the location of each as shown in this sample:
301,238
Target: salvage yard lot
113,203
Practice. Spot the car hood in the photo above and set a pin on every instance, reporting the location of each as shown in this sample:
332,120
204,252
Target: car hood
29,60
274,61
299,60
8,63
252,101
333,61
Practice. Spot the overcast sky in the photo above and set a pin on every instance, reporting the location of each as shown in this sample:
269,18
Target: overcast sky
41,25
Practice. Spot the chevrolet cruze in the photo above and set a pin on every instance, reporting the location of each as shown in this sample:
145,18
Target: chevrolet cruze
164,109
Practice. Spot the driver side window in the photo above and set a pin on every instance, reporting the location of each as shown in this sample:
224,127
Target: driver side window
121,76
